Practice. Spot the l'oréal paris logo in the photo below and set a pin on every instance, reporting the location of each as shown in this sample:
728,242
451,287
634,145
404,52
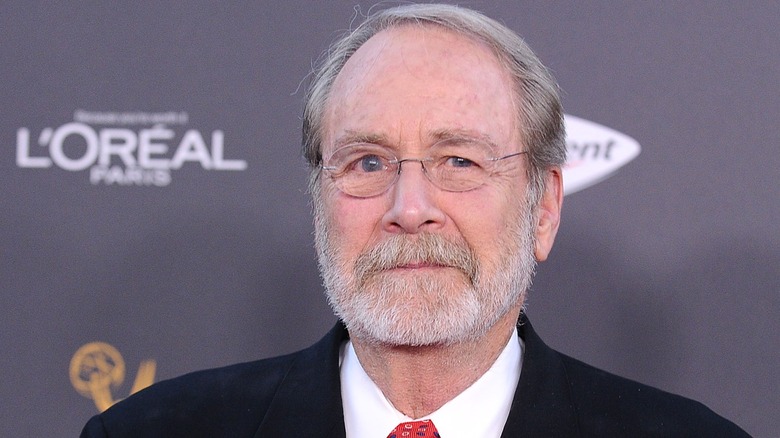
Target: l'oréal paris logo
124,148
595,153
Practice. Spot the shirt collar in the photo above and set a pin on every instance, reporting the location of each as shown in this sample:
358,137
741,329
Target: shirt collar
480,410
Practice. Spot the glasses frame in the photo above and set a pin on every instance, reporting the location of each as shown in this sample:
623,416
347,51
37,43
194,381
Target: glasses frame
399,164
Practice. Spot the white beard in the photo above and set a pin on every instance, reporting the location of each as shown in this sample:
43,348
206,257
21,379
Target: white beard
426,307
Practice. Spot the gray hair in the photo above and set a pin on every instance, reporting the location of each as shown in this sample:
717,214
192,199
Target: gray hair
536,92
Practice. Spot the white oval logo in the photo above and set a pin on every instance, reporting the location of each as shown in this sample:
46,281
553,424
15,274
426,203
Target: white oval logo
595,152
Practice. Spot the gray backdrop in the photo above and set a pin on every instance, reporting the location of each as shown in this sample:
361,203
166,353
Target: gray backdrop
667,272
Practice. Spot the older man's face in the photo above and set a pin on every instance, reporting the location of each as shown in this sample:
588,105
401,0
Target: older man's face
415,264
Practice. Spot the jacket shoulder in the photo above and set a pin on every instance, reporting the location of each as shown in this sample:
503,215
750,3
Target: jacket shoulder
232,398
561,396
229,401
610,405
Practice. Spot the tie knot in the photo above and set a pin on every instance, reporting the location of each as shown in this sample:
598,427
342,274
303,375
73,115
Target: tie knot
415,429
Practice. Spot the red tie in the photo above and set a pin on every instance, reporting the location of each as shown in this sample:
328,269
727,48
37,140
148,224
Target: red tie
415,429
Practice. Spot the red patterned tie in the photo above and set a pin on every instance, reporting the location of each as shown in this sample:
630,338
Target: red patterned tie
415,429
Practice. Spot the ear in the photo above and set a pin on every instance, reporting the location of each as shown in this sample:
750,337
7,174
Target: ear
548,214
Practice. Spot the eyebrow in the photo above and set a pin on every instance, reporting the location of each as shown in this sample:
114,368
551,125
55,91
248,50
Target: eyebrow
354,137
463,134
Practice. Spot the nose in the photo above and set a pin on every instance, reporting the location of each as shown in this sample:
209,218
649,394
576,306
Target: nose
414,207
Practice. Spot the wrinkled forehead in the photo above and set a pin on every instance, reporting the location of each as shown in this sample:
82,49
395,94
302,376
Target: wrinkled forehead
409,81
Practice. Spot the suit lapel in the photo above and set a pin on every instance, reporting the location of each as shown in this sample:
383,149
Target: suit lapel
542,404
308,400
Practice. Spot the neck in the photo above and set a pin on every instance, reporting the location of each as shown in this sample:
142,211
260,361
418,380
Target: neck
420,380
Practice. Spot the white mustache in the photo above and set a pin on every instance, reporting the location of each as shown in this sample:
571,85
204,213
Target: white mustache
423,248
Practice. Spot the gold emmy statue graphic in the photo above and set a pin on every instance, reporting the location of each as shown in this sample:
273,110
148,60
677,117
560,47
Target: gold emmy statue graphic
97,367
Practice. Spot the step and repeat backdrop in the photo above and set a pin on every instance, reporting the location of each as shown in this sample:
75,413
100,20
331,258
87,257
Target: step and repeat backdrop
155,219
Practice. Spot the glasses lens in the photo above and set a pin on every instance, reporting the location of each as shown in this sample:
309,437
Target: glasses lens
362,169
460,165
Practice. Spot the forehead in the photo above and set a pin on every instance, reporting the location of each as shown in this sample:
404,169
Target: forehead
408,83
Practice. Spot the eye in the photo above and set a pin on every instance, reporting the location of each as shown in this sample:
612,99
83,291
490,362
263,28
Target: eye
459,162
369,163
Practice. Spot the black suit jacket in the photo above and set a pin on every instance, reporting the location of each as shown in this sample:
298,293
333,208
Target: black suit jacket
299,395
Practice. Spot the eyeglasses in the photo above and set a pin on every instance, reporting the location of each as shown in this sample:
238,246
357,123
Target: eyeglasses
364,170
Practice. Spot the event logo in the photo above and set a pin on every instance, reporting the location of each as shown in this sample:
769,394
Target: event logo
98,367
595,152
115,154
105,144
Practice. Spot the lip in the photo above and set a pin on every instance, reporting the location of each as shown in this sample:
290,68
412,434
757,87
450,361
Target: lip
420,265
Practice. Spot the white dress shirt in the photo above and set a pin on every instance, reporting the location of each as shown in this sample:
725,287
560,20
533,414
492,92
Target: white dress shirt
479,411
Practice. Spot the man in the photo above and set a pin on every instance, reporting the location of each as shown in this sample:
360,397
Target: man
436,141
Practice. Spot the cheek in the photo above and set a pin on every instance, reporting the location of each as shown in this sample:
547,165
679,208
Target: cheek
484,221
352,223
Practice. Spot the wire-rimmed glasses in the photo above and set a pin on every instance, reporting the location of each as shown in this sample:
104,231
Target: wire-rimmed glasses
365,169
